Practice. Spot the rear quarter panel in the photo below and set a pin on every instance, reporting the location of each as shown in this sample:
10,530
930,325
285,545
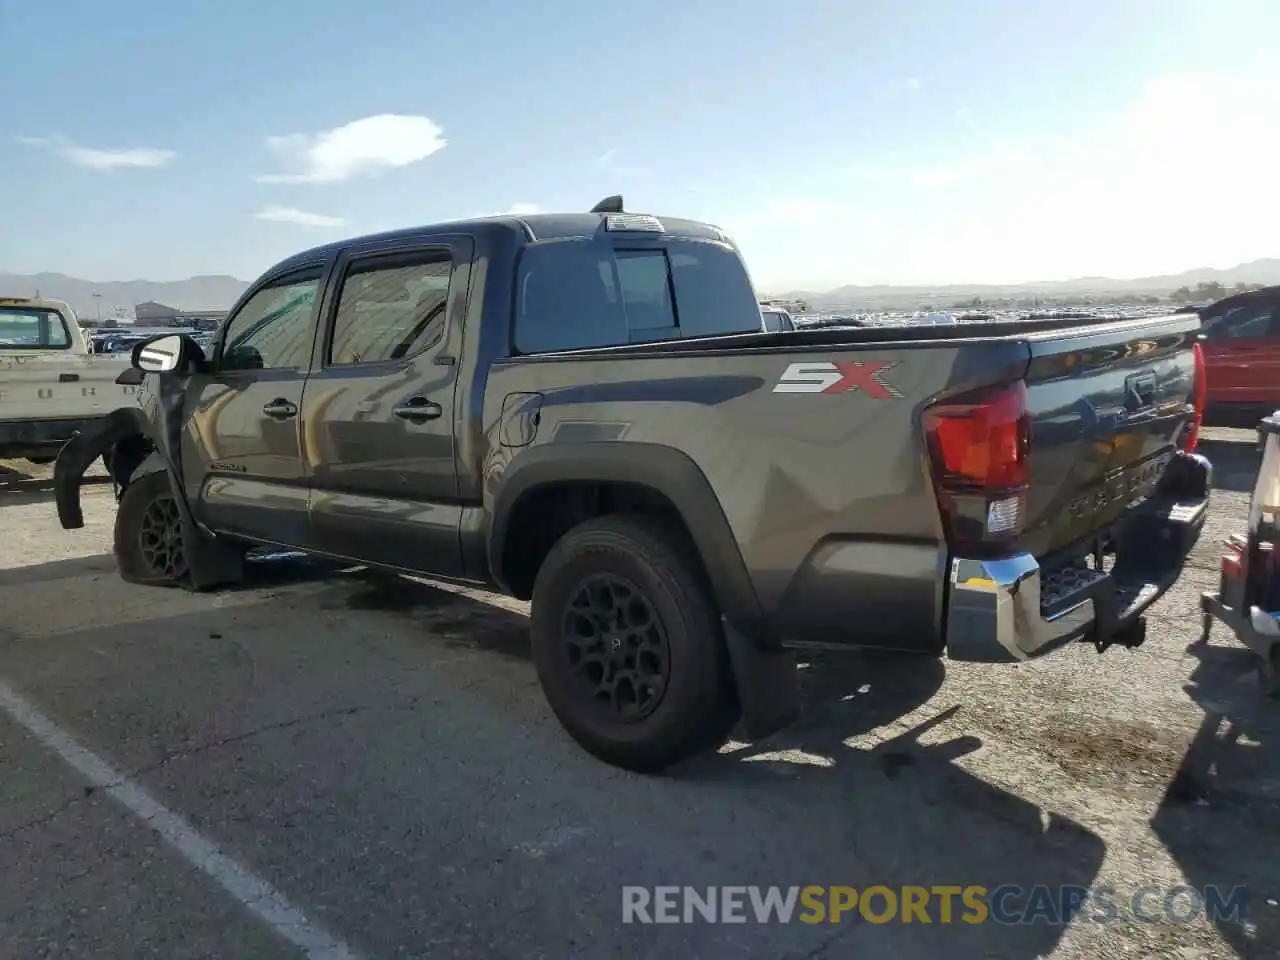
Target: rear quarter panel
826,493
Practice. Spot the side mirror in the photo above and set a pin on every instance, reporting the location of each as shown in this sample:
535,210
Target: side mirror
170,354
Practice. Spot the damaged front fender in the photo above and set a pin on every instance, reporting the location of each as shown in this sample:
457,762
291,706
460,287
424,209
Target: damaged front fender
157,417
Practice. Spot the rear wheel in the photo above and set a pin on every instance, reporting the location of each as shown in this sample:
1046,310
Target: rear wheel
628,644
149,543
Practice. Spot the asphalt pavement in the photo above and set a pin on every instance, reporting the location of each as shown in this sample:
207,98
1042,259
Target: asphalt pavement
339,764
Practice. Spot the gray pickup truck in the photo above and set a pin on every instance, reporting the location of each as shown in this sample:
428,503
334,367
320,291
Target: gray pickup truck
583,410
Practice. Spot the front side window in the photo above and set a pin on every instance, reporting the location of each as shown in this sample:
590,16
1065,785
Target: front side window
32,328
273,330
389,312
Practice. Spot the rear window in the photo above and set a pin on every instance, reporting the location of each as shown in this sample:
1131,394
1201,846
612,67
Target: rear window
577,294
775,321
30,328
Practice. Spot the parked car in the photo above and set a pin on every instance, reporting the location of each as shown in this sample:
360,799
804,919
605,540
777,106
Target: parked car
1241,339
582,410
51,382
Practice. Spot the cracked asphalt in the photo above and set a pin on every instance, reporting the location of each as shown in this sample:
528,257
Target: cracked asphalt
377,750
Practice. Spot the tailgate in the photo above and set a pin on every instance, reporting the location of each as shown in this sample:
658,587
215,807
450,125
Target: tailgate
44,387
1108,407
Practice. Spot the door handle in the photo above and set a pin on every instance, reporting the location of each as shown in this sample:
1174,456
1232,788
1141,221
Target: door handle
280,409
418,410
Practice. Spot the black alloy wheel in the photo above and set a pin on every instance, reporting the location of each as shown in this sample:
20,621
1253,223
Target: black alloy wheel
617,646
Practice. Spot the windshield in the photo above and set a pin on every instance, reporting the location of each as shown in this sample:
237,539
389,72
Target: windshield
33,328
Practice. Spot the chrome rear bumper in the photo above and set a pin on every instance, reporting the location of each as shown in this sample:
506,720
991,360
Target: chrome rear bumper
1011,609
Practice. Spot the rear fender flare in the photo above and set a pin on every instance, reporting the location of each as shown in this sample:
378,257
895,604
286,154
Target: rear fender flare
664,469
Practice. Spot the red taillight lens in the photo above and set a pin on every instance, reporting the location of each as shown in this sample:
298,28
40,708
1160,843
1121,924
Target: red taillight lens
1191,439
980,441
978,446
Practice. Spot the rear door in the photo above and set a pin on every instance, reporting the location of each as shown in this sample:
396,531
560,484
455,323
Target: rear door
242,455
1242,353
379,411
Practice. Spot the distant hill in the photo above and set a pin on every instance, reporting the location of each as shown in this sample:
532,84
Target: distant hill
197,293
1264,272
221,291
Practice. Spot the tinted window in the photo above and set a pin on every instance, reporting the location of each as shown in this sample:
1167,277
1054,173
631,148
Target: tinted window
1249,321
776,321
579,294
33,329
273,329
713,292
644,285
390,312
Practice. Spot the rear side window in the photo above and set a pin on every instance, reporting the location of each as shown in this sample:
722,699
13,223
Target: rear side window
389,310
579,294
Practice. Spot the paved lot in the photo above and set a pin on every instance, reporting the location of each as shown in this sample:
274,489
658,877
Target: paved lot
369,764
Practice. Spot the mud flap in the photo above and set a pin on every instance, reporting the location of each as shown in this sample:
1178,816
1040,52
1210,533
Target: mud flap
768,684
210,562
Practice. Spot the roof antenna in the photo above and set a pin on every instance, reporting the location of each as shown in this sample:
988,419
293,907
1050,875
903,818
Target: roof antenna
609,205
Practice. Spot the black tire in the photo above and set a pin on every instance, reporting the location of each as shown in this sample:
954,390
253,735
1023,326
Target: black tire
149,545
693,706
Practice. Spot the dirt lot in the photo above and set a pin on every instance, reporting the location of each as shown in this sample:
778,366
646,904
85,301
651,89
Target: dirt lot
340,765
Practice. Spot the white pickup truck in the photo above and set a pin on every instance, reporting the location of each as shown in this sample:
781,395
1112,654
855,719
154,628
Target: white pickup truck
51,382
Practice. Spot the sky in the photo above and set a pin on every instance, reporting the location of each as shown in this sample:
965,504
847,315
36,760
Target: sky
837,141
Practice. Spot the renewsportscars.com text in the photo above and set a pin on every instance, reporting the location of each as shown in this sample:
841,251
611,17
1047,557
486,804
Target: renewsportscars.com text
972,904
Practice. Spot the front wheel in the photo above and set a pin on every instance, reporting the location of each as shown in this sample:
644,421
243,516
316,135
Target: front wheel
628,644
149,540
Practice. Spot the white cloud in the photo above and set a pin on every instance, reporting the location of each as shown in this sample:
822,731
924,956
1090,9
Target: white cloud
1176,177
95,158
299,217
913,83
360,148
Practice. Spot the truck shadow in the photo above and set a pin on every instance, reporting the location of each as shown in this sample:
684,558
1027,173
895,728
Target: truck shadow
897,814
1220,817
20,486
1235,463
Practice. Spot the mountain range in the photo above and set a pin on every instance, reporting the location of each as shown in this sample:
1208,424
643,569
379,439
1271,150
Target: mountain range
1263,272
219,291
212,292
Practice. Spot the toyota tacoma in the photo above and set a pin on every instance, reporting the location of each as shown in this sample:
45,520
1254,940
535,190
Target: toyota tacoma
583,410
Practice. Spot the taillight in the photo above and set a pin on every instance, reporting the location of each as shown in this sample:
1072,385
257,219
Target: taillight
1191,437
978,448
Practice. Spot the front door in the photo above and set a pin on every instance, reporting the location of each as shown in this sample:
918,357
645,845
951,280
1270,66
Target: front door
242,456
379,411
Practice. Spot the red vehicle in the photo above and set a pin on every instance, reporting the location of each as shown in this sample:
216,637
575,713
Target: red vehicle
1240,338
